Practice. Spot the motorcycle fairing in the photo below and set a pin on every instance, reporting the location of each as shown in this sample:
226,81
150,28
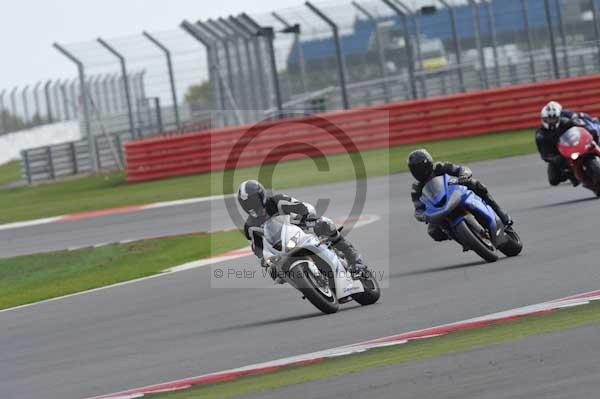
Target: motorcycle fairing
438,189
345,285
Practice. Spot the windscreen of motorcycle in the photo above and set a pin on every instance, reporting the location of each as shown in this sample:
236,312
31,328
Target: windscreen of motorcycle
571,137
273,228
435,189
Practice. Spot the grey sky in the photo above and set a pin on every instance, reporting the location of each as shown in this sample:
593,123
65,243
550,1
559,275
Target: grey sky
28,27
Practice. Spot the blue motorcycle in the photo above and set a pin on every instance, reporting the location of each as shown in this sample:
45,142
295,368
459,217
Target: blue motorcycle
467,219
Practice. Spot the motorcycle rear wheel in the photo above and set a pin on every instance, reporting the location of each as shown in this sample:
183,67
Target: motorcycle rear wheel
469,238
513,246
372,291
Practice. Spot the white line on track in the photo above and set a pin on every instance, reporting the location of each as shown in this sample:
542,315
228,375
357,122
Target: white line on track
63,218
235,254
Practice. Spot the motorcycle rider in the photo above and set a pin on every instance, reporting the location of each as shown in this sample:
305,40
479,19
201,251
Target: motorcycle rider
260,206
423,169
555,121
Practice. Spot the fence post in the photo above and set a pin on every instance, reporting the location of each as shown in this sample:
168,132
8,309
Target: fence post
457,47
251,28
296,30
415,21
125,78
552,41
492,29
216,97
50,162
233,37
159,119
3,112
36,101
338,51
48,101
63,90
241,30
231,87
268,34
74,98
525,14
477,31
119,145
226,82
13,101
57,104
26,166
563,38
380,48
407,46
25,104
171,76
86,113
95,138
596,28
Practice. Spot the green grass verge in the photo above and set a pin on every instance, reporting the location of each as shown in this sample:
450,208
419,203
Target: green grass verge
10,172
414,350
101,192
32,278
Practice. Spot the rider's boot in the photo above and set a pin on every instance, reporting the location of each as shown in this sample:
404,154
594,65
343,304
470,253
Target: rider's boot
574,181
504,217
350,253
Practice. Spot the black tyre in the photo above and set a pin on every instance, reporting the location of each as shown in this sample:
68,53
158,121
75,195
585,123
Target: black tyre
592,166
372,291
470,235
513,246
318,290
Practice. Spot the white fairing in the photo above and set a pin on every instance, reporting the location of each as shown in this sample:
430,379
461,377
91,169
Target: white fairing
345,285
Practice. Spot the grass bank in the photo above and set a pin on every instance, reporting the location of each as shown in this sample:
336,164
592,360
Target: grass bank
414,350
10,172
32,278
107,191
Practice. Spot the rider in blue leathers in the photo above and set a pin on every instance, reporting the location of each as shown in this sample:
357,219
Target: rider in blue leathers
423,169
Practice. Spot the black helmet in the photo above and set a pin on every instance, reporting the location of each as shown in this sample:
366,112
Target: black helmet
252,197
420,164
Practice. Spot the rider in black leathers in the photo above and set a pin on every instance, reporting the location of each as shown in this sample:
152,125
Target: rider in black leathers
260,206
555,121
424,169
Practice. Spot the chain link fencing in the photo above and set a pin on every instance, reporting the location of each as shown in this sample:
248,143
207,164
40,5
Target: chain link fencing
317,57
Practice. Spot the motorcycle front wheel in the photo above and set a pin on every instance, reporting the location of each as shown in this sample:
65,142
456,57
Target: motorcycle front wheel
316,288
469,234
592,166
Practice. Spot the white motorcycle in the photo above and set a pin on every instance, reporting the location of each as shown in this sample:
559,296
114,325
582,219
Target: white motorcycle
314,268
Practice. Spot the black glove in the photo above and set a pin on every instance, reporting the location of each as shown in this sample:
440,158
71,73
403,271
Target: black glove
421,217
464,179
310,220
555,159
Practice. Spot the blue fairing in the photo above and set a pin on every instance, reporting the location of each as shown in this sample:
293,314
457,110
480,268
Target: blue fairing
437,194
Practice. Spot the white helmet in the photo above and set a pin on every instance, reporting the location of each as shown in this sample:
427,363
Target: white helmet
551,115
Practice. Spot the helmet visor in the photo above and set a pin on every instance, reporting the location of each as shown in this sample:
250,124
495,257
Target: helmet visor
253,205
422,170
552,121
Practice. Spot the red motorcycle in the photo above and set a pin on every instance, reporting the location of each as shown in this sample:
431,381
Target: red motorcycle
582,153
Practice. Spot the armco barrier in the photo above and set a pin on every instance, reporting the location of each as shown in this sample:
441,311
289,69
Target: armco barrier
496,110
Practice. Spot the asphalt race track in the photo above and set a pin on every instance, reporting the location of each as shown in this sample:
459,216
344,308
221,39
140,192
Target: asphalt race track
542,367
177,326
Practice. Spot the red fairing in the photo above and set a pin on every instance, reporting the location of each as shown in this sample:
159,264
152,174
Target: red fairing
575,145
